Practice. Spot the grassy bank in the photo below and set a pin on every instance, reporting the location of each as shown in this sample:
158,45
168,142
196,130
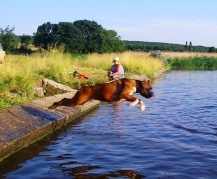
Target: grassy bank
187,54
194,63
20,74
191,60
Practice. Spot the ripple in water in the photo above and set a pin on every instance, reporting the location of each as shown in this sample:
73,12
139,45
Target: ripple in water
176,137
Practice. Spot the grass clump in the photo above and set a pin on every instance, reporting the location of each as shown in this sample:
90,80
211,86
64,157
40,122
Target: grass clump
194,63
20,74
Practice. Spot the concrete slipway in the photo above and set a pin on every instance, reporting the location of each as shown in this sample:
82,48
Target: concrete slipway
21,125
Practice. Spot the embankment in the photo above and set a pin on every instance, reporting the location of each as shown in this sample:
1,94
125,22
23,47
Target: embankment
21,125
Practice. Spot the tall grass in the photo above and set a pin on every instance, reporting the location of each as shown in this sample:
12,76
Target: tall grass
194,63
187,54
20,74
133,62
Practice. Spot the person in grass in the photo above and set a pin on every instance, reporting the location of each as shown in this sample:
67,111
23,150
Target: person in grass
116,71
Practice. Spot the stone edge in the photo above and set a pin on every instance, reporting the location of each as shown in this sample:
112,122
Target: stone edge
29,122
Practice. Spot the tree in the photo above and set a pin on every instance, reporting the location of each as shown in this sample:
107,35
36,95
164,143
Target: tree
92,35
71,37
113,42
212,49
46,36
54,35
186,46
8,39
81,36
97,39
26,40
190,49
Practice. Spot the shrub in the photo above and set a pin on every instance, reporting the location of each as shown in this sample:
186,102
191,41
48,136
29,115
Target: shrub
159,55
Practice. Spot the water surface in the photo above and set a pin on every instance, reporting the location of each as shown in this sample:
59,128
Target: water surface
176,137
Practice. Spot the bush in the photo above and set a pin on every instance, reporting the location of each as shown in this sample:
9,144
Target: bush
159,55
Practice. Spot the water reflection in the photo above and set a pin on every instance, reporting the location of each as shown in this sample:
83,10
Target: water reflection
84,172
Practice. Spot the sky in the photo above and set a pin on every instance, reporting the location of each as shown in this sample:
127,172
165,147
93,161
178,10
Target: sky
168,21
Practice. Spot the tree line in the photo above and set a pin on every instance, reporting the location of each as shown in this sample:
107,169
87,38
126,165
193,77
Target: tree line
84,36
152,46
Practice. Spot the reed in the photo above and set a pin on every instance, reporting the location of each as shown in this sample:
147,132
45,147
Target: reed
20,74
194,63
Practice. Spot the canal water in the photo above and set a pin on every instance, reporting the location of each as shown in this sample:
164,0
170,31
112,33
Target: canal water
175,137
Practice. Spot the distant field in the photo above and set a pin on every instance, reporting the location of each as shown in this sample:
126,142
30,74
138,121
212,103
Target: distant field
187,54
180,54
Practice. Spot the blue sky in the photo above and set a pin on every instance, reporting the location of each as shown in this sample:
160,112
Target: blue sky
170,21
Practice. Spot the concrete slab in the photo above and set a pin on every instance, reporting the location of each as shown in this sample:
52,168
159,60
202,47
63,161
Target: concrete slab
21,125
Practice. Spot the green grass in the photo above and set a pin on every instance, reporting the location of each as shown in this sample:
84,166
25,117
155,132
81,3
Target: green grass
194,63
20,74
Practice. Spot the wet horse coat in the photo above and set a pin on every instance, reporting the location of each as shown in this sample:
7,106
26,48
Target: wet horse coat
118,90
